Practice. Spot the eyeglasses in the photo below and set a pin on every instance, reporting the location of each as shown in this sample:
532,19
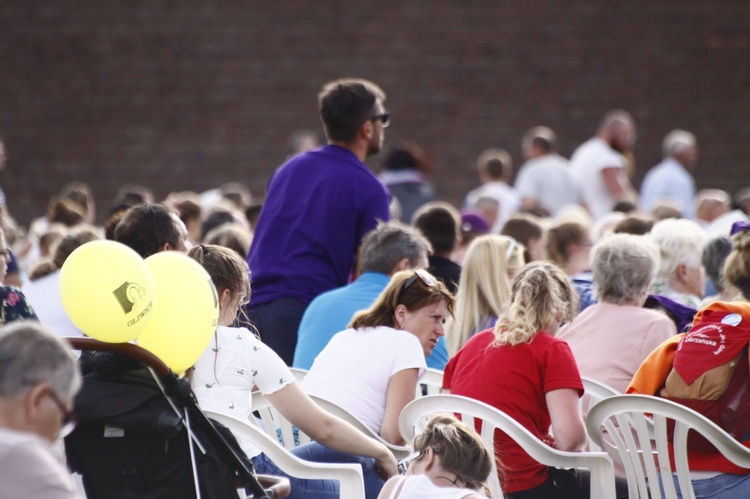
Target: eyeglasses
384,118
423,276
69,419
512,245
403,465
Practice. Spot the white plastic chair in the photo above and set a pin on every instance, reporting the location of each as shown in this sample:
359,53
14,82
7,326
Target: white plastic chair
415,415
431,382
399,451
594,392
349,475
625,424
274,424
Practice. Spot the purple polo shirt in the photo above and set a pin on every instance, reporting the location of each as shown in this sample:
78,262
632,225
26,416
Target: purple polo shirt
318,207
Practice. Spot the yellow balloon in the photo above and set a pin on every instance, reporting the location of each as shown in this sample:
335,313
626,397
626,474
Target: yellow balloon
107,291
183,323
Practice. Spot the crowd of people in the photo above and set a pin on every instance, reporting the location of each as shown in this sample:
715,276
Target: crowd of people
367,281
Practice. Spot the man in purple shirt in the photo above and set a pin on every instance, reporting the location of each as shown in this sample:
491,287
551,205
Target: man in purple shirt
318,207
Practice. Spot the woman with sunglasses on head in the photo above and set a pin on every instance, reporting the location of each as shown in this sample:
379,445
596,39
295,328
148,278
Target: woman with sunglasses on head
236,362
372,368
523,370
491,263
450,461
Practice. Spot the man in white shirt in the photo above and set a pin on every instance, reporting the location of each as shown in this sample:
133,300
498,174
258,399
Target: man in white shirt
544,181
38,379
600,164
495,167
670,180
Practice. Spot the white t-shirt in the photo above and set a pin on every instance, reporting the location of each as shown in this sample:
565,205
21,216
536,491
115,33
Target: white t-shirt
225,374
420,486
29,468
548,180
44,297
587,164
508,198
354,369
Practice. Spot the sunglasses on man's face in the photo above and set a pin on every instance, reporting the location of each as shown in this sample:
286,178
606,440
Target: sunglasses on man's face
385,119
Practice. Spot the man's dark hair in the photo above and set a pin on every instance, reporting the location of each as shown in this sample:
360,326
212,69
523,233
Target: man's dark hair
147,227
440,223
345,105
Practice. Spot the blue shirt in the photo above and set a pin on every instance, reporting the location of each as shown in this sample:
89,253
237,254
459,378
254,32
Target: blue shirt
318,207
668,181
331,313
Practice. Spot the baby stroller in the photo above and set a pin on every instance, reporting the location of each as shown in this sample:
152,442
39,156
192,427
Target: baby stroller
140,433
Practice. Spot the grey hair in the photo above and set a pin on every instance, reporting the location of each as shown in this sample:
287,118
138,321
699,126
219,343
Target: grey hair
624,266
389,242
680,242
31,354
677,141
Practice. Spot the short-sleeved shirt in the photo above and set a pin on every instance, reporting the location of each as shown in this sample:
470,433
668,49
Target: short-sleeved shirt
547,180
356,366
515,379
586,165
234,363
14,306
318,207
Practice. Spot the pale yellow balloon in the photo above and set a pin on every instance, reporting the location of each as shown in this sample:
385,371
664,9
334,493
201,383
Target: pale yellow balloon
185,320
107,291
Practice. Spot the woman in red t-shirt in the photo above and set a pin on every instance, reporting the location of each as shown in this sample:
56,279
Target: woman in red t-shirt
523,370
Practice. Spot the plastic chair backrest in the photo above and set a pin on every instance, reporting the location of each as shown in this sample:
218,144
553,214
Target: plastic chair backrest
633,430
415,415
274,424
399,451
349,475
594,392
431,382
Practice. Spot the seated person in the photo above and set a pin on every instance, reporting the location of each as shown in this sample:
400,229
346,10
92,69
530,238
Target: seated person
236,361
450,461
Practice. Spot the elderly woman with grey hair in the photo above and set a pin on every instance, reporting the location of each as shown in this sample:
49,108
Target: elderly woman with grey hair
609,340
681,276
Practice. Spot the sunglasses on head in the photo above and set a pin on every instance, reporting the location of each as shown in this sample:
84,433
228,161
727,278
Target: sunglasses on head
423,276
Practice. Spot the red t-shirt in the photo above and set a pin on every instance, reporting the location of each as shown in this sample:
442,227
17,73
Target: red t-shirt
514,379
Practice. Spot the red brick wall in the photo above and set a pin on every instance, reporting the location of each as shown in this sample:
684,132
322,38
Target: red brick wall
188,95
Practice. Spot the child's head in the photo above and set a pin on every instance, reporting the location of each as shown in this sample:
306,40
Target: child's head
460,450
541,297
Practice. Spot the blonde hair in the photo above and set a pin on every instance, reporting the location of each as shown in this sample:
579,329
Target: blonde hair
461,450
484,286
737,264
541,296
416,296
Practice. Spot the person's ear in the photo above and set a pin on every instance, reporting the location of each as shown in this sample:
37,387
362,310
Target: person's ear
681,272
366,130
165,247
33,400
225,299
403,264
400,316
429,459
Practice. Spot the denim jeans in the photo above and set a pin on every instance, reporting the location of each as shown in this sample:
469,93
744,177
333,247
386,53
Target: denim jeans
323,489
725,486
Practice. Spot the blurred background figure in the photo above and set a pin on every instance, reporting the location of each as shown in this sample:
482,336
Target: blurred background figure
405,170
473,225
568,247
671,179
495,169
528,231
440,223
545,182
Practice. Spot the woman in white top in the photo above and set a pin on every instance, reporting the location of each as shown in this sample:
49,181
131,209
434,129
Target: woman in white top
372,368
450,461
236,361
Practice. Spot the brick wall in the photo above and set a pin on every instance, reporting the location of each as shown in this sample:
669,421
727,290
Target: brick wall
188,95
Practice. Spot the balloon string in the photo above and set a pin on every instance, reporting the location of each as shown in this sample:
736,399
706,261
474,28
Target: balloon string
192,457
